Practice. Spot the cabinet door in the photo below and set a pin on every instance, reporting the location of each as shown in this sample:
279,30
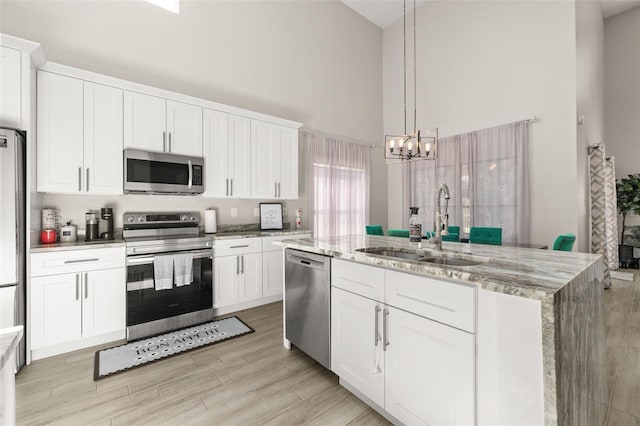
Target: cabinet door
250,285
145,122
240,156
10,88
56,309
184,127
60,134
429,371
288,183
216,153
225,286
265,159
272,275
102,139
356,347
104,302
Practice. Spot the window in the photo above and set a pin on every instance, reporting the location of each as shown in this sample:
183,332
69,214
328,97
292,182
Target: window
338,186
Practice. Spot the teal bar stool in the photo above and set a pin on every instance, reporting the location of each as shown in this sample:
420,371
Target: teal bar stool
374,230
454,234
564,242
485,235
404,233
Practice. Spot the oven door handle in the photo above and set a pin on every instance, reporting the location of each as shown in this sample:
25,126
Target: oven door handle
141,260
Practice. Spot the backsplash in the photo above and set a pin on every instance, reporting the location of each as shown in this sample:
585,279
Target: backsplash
73,207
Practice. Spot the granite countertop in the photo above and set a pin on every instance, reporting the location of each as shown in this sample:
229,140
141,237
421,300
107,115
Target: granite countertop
80,244
255,234
9,338
531,273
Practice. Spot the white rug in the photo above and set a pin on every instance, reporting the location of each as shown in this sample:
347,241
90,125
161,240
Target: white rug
619,275
140,352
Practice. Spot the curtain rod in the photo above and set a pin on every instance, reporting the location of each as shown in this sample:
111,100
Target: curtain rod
308,132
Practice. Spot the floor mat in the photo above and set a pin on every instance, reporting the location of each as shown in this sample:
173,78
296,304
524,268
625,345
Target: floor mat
141,352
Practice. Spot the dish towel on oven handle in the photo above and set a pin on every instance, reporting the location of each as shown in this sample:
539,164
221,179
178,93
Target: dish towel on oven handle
183,267
163,272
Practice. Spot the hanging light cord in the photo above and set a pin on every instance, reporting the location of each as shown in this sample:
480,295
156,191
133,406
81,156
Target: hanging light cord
404,54
415,61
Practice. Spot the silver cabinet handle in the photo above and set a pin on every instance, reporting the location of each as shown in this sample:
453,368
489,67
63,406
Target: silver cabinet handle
375,334
79,178
243,246
164,141
190,183
95,259
86,285
237,265
169,141
77,286
275,189
232,187
87,179
242,263
385,337
227,187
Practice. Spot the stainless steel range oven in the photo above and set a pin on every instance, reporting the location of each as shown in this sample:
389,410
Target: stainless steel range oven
154,239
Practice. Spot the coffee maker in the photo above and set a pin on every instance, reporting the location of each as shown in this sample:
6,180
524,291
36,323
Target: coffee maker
106,226
91,232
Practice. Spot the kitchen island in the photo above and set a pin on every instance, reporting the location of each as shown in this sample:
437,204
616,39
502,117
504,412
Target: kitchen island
521,331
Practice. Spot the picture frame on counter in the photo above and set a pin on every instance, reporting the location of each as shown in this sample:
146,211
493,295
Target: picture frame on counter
270,216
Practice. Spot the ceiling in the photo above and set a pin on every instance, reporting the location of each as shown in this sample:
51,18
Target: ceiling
385,12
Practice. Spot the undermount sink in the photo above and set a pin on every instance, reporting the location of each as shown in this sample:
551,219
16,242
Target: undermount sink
417,255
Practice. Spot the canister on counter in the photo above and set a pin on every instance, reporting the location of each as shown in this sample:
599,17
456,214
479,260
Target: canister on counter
68,232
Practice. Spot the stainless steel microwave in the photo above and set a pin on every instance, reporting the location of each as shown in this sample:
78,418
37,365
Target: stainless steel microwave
158,173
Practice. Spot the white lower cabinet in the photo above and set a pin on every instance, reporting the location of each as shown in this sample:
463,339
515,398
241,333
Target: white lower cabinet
272,273
237,279
429,371
420,371
356,347
74,306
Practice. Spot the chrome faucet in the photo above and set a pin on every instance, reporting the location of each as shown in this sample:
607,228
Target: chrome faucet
440,222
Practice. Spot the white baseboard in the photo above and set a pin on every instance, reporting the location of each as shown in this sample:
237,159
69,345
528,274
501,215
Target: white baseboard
74,345
224,310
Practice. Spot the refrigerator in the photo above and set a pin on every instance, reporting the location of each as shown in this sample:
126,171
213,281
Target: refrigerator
12,234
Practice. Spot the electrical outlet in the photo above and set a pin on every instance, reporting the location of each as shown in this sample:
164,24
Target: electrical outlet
256,211
284,211
234,212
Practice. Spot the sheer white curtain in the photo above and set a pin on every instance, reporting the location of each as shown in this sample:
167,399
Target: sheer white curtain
488,176
338,186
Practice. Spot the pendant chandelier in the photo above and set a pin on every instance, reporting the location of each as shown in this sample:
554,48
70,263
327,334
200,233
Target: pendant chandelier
414,145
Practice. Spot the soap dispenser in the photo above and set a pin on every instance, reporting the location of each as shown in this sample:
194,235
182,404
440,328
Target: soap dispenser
415,226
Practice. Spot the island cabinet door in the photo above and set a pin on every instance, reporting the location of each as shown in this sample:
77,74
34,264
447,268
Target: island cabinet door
356,346
429,371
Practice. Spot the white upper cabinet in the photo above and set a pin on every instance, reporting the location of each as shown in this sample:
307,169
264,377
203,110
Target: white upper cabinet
145,122
60,134
10,86
274,161
227,147
156,124
79,136
184,129
102,139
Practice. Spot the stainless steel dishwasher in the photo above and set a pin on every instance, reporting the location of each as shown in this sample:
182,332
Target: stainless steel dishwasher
307,293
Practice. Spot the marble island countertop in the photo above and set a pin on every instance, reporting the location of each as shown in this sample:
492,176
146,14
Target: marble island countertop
531,273
9,339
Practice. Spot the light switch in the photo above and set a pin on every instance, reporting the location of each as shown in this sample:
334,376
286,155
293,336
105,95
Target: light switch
234,212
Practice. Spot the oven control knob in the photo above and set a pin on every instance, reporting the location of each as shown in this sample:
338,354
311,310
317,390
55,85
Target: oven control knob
191,218
140,218
130,219
183,217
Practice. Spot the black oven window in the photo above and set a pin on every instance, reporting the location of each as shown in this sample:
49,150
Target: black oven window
157,172
145,304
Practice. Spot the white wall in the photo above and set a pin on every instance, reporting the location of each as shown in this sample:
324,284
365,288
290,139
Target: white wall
318,63
622,90
590,102
622,93
482,64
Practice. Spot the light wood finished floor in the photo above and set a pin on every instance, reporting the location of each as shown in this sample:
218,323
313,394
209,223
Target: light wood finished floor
254,380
